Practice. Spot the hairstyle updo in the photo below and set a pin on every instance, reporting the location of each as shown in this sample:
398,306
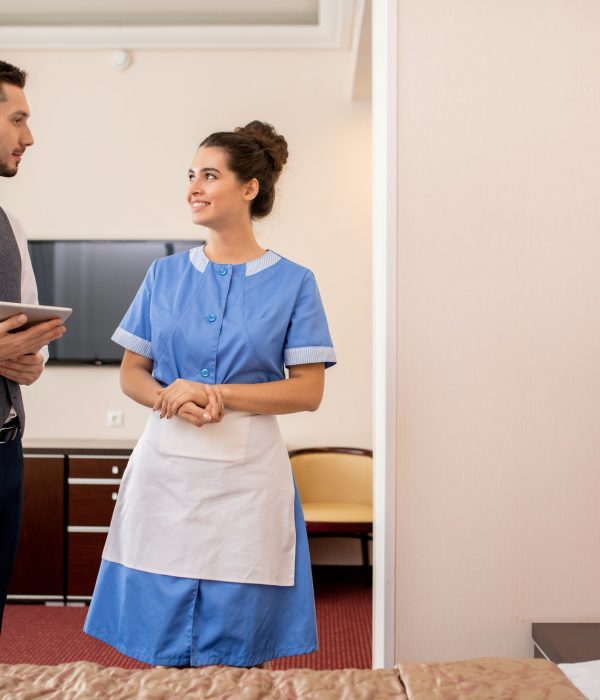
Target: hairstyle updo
254,151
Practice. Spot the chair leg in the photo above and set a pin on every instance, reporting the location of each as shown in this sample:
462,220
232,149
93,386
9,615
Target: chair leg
364,545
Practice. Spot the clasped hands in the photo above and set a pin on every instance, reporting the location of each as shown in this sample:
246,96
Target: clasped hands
20,356
195,402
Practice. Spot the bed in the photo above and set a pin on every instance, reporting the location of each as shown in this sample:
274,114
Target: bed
476,679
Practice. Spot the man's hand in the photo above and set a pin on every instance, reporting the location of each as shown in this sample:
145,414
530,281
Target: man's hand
24,369
31,341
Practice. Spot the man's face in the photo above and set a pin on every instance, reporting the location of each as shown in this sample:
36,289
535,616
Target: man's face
15,135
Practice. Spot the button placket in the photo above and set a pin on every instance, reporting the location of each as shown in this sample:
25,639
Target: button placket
224,274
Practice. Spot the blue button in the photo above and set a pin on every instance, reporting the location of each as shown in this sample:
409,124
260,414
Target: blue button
205,372
222,271
211,317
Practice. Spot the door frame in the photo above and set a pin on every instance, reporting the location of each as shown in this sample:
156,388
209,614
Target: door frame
384,219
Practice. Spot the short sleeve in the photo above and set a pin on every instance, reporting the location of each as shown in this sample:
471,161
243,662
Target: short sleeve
307,339
134,332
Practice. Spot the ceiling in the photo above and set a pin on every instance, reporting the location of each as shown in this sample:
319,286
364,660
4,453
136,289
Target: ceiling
179,24
193,24
159,12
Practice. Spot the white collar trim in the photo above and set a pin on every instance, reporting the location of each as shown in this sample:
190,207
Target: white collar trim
267,259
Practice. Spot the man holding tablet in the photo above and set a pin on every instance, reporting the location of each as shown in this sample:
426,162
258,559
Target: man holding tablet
22,354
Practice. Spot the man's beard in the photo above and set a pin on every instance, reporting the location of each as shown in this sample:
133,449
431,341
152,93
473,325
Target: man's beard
6,171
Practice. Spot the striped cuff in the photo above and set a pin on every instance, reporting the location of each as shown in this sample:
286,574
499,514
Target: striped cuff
309,355
133,342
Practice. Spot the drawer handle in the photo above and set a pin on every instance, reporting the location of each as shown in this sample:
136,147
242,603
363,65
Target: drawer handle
113,495
115,469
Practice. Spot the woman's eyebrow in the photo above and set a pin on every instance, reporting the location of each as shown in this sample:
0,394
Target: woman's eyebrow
191,171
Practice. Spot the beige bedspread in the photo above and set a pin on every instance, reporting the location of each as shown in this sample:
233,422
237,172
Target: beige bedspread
474,679
83,680
487,679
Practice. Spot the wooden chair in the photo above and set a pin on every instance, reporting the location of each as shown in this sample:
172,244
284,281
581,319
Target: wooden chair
335,485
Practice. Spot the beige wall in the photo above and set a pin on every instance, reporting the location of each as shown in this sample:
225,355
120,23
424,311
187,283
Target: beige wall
110,161
499,335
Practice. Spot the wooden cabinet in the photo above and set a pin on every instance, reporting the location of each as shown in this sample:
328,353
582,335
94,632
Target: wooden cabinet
85,552
39,566
68,503
93,485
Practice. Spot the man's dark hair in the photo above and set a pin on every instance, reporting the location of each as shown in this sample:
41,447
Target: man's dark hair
13,75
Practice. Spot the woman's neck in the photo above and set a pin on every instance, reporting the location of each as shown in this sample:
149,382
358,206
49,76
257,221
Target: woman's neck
232,246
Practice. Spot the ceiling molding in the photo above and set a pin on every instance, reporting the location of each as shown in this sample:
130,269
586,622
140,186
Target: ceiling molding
333,31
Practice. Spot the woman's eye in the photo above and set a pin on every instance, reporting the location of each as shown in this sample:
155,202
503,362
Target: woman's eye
210,176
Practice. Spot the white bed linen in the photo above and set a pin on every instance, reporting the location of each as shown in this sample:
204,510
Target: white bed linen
585,676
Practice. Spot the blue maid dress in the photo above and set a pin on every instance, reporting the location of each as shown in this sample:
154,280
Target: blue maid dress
206,560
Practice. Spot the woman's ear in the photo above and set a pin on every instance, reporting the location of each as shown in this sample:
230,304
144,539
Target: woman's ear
251,189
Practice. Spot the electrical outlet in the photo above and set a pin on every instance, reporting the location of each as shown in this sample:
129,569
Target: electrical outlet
114,418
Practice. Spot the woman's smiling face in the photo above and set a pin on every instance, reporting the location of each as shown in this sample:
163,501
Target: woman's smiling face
215,195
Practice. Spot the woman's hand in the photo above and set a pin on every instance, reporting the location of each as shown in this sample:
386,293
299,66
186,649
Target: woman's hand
171,398
182,391
211,413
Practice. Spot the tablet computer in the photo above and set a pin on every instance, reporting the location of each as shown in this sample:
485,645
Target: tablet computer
34,312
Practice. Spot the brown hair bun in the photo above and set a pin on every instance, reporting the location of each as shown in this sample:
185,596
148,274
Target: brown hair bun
269,139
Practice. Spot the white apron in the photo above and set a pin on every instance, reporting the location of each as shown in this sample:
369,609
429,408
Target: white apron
215,502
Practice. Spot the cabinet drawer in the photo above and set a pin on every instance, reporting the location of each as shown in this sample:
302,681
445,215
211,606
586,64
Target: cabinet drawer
97,467
85,552
91,504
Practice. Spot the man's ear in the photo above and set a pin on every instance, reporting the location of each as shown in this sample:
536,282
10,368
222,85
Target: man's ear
251,189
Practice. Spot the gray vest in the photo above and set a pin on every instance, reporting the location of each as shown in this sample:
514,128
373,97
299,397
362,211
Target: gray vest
10,290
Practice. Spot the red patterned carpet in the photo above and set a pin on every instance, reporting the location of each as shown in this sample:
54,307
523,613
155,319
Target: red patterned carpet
40,634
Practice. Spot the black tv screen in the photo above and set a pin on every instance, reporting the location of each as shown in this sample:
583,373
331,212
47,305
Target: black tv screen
98,280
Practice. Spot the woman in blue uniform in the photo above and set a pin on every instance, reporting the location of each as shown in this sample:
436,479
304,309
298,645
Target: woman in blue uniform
207,560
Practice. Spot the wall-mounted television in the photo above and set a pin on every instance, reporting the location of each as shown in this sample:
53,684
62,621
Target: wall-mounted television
98,280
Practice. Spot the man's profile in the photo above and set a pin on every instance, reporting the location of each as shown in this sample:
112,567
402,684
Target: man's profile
21,352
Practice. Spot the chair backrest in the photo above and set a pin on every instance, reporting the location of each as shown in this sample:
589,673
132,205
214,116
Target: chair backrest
334,474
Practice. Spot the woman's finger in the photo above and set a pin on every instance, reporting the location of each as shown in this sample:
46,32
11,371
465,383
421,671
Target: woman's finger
175,405
212,408
221,401
176,401
163,407
159,399
218,404
192,413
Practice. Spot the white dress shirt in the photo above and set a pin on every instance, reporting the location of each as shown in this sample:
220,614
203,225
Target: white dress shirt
29,293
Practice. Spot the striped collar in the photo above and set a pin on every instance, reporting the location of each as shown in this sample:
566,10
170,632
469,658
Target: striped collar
268,258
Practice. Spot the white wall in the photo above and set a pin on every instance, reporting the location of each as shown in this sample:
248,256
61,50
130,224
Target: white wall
499,323
110,161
